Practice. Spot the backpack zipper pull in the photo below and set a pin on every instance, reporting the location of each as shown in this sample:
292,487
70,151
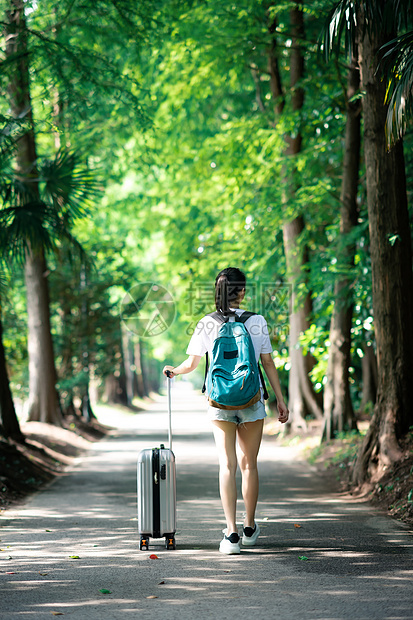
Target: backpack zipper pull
242,386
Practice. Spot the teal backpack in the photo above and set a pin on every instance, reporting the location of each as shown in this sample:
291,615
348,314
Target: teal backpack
233,380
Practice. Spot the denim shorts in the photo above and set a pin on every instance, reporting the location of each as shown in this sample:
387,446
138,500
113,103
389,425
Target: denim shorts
239,416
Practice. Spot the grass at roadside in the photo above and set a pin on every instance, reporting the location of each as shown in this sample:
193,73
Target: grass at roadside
392,492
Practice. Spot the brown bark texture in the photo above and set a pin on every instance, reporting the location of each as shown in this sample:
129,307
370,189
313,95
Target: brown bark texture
43,401
392,282
338,409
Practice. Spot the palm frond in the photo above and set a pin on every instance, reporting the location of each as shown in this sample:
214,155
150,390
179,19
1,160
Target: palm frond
400,12
68,185
343,23
24,228
396,66
340,22
4,280
386,16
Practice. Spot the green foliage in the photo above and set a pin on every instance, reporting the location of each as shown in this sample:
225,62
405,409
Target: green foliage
37,216
340,454
172,104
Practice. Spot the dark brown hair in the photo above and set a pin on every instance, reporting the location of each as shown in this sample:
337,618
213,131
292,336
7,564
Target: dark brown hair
228,285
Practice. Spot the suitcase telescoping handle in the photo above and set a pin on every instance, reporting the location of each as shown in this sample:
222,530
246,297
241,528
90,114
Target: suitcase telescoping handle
168,382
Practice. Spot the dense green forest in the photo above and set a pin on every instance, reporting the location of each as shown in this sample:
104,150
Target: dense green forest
145,146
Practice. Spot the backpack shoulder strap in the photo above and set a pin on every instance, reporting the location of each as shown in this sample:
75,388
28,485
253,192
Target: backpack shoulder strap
221,319
242,319
244,316
218,317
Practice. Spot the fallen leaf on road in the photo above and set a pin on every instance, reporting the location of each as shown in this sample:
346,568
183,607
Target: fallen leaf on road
153,557
104,591
152,596
302,557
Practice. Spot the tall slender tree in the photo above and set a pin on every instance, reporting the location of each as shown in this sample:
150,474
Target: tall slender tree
43,402
376,23
338,408
302,400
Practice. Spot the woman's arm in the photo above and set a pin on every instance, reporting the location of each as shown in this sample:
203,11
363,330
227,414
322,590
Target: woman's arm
272,374
187,366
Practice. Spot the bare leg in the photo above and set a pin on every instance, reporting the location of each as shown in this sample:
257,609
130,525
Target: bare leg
225,438
249,439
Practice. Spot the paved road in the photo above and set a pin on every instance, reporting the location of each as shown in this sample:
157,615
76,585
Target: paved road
346,561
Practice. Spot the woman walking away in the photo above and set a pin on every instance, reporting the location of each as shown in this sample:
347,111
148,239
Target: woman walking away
233,421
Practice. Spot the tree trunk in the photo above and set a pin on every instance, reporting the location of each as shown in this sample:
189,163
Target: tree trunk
140,380
65,368
43,402
115,391
86,408
368,377
338,408
302,399
128,363
87,411
392,282
19,91
9,424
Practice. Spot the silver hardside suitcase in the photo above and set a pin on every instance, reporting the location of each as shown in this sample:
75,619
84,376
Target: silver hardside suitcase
157,491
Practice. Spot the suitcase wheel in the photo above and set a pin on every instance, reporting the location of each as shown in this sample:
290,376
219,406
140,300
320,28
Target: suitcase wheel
144,543
170,542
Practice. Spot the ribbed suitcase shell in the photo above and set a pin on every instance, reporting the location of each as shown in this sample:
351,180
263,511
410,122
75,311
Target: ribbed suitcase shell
151,521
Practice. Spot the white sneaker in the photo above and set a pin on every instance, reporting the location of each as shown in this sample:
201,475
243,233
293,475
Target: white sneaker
250,535
230,544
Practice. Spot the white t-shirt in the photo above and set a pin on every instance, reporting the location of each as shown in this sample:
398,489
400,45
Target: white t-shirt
207,329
